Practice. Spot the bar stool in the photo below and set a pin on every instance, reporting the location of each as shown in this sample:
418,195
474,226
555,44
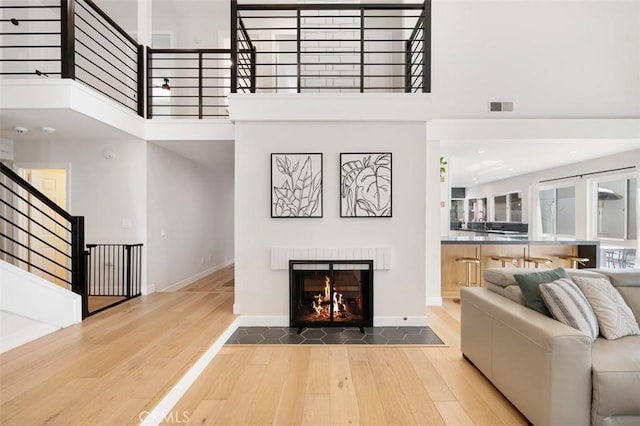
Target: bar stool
537,261
505,259
575,260
468,261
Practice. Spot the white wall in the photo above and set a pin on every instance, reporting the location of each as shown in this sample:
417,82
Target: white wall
551,58
109,193
194,24
264,293
190,218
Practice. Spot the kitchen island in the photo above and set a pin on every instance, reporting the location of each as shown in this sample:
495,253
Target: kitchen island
484,247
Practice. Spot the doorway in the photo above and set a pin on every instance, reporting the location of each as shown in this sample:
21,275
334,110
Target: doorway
48,252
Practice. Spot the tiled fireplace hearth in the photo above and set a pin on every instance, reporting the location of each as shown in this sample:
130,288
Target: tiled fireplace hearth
331,293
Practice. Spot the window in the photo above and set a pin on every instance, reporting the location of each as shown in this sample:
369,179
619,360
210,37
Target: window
500,208
477,209
508,208
557,210
515,207
456,214
617,209
617,221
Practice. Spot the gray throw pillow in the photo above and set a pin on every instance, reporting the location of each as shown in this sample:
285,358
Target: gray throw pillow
529,284
615,318
569,306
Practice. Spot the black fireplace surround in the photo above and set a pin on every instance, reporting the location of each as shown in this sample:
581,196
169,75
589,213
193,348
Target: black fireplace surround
331,293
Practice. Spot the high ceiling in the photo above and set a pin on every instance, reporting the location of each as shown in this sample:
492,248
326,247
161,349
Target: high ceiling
474,162
471,162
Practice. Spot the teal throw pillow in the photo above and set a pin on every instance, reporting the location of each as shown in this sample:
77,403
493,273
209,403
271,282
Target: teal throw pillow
529,284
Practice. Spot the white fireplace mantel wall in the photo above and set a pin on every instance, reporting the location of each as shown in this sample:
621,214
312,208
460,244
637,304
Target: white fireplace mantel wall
280,256
399,246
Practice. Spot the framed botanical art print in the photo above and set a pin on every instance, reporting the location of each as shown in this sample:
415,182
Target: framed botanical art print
365,184
296,185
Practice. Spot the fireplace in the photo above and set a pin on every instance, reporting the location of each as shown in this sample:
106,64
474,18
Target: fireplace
331,293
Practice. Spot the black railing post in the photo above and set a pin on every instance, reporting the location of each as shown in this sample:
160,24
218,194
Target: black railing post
298,47
362,50
234,46
254,57
127,249
149,83
67,39
87,272
78,265
407,66
141,81
426,48
200,84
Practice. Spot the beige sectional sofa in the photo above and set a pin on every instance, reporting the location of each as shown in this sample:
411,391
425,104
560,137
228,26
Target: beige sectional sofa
553,373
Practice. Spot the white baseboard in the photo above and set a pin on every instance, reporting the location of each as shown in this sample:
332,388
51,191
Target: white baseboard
400,321
192,279
264,320
163,410
434,301
151,288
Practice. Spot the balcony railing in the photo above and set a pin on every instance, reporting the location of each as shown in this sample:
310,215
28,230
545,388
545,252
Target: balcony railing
72,39
275,48
353,47
188,83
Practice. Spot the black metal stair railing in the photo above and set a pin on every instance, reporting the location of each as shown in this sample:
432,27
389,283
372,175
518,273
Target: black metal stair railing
41,237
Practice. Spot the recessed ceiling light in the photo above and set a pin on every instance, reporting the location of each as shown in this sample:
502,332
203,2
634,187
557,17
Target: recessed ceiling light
482,151
573,152
48,129
21,130
511,169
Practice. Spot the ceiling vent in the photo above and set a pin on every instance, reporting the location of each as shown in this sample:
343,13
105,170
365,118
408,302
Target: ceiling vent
500,106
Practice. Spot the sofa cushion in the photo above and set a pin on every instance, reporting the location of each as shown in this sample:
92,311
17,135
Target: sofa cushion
569,306
615,318
503,277
616,378
514,293
622,277
529,284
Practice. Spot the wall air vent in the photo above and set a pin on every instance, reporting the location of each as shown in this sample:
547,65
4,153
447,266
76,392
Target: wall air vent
500,106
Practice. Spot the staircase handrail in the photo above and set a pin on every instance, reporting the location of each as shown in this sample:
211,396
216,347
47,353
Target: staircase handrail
78,256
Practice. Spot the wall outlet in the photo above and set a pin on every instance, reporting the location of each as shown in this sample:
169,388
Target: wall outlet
202,260
495,106
210,259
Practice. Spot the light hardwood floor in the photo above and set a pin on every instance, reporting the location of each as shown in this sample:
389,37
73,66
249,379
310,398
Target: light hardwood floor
117,364
121,362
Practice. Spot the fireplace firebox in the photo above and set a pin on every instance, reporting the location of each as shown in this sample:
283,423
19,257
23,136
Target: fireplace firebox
331,293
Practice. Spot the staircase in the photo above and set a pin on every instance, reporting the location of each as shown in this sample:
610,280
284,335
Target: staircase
42,263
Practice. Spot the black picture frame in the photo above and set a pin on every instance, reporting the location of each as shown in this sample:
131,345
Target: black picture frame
366,184
296,185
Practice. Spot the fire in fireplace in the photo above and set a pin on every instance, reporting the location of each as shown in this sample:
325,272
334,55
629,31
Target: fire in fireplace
331,293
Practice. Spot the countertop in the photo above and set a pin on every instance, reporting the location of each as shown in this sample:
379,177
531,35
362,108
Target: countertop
505,239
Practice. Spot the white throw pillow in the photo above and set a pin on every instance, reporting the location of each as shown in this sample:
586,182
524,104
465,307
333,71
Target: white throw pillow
568,305
615,318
